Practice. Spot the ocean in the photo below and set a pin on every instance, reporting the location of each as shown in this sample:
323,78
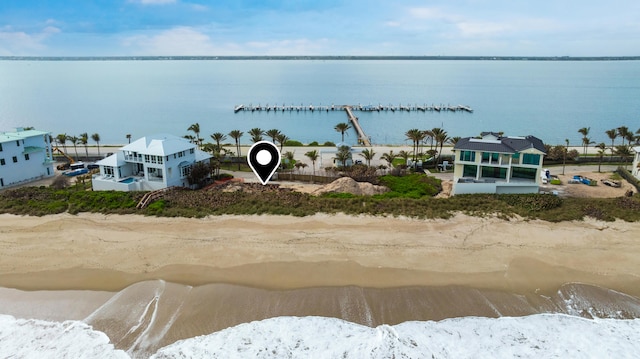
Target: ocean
548,99
157,319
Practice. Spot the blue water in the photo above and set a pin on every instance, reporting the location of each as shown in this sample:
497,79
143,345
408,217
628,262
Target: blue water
128,180
549,99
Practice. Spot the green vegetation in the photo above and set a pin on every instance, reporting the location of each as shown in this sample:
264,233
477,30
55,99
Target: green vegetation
410,196
411,186
293,143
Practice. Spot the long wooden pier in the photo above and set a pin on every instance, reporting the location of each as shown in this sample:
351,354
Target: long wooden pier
362,137
364,108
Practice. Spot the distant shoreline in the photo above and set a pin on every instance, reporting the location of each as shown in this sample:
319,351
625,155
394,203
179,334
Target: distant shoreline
422,58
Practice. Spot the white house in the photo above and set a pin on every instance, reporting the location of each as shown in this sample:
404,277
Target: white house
635,170
149,163
497,164
25,156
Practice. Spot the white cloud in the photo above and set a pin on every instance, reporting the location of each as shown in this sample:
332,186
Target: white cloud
176,41
20,43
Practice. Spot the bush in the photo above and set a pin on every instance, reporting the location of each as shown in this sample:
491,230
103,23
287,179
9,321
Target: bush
555,181
329,144
415,185
314,143
293,143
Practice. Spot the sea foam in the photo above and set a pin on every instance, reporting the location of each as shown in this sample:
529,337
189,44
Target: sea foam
31,338
535,336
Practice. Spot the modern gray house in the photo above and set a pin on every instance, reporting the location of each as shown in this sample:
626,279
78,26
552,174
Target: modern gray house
493,163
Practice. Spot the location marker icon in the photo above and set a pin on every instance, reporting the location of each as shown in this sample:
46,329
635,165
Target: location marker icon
264,159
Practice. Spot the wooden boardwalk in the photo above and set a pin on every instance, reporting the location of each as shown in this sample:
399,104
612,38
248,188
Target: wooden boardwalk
362,137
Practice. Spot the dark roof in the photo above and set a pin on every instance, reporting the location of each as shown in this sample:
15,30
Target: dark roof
502,145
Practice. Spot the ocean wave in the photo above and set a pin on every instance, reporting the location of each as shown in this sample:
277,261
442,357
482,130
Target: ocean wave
535,336
32,338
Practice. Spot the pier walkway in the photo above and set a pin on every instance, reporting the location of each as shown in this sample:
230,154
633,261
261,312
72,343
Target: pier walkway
362,137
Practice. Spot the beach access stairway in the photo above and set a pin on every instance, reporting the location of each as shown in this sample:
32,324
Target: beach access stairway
152,196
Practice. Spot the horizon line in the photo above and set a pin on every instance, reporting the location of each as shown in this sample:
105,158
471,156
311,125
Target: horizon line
319,57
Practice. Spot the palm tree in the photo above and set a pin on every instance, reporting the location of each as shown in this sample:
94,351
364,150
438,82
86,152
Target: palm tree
74,141
313,157
624,152
428,136
343,155
128,136
601,148
454,140
62,139
585,140
405,156
256,134
96,138
342,127
195,128
368,154
84,140
218,137
236,135
623,131
415,135
282,139
612,134
273,133
388,157
440,137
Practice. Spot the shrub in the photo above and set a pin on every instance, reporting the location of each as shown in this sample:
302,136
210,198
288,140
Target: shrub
329,144
555,181
415,185
293,143
314,143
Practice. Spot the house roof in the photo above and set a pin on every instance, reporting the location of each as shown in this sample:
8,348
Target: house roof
159,145
501,145
20,134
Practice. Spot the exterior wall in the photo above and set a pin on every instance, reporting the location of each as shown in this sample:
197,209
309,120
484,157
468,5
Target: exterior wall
635,170
497,187
26,156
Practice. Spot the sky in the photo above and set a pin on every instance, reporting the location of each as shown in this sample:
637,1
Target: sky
319,27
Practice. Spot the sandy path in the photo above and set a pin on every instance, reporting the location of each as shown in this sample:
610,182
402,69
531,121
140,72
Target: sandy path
109,252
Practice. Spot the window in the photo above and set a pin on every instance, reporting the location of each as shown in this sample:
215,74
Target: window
159,159
191,151
490,157
469,156
185,171
0,147
180,154
1,161
469,171
494,172
15,159
525,173
147,159
530,159
108,170
1,182
18,143
26,157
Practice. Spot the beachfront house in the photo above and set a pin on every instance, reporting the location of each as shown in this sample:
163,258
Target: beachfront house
25,156
493,163
149,163
635,170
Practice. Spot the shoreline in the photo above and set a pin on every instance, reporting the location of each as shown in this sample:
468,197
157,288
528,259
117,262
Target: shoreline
110,252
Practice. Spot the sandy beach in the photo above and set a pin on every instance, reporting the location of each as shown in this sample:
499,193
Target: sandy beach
109,252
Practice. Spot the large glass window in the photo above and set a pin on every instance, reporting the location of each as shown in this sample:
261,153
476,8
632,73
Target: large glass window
469,171
525,173
469,156
530,159
490,157
494,172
